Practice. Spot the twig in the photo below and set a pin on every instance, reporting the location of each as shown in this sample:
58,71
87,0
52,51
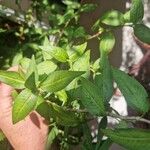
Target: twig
95,35
78,110
62,31
130,118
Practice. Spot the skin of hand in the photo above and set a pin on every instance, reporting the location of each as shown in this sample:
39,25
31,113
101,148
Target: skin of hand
28,134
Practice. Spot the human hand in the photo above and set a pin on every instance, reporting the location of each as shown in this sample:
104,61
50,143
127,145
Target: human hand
28,134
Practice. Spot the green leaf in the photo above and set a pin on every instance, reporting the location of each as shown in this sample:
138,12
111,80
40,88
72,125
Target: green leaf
79,32
43,110
51,137
62,95
113,18
87,143
21,72
16,59
40,100
30,82
92,98
63,116
32,75
59,53
47,55
12,78
85,61
46,67
107,42
142,32
14,94
127,17
75,94
46,47
34,47
134,93
102,125
2,30
32,68
24,103
2,136
88,7
24,62
131,139
69,15
136,11
96,65
106,77
106,145
76,51
96,25
71,4
58,80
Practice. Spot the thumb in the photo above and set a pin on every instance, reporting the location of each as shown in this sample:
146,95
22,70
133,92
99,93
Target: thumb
6,100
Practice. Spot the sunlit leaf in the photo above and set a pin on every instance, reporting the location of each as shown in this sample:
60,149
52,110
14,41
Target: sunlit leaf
12,78
59,53
24,62
127,17
46,67
32,75
107,42
24,103
85,61
58,80
62,95
113,18
96,65
46,47
16,60
76,51
14,94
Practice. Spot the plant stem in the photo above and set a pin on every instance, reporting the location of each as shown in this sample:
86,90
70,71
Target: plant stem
62,32
78,110
129,118
117,116
95,35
